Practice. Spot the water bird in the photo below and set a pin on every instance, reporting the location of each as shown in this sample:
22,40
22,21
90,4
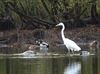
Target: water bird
85,53
28,53
33,47
94,45
43,46
70,45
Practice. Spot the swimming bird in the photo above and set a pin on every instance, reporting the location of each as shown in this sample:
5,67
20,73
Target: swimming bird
70,45
33,47
28,53
43,46
94,45
85,53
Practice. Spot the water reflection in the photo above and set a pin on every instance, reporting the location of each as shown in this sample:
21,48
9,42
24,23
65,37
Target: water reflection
73,68
33,66
64,65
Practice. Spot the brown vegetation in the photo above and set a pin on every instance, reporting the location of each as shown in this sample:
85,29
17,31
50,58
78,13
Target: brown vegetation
51,36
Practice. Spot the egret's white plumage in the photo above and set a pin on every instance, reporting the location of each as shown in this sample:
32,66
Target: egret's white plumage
71,45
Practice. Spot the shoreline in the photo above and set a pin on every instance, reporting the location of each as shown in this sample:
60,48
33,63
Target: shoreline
51,36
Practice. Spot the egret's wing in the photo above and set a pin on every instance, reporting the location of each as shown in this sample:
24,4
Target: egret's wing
71,44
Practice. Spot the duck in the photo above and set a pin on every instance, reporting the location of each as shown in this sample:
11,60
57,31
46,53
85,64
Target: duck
94,45
43,46
85,53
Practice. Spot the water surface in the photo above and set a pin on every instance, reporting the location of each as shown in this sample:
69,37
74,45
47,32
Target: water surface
50,65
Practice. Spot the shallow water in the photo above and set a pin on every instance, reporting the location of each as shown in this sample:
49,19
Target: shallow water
50,65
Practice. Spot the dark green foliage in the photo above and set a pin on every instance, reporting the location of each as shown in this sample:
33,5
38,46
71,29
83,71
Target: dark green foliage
46,13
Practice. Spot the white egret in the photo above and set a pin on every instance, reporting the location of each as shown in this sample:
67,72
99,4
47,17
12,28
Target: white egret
71,45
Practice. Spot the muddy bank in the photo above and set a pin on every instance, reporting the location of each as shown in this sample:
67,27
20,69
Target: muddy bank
20,41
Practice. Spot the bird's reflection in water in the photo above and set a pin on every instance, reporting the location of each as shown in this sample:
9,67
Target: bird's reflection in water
73,68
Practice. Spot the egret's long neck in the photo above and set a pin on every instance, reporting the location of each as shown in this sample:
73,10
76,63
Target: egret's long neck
62,32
